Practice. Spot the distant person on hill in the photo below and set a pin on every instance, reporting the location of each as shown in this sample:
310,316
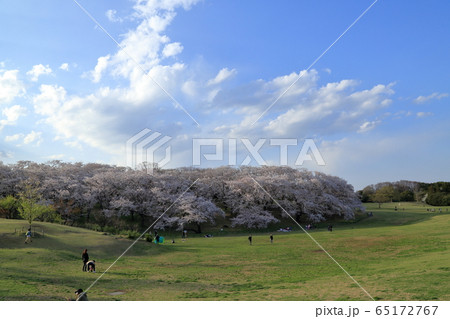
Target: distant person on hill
28,236
85,258
90,266
250,239
271,238
330,227
157,239
81,296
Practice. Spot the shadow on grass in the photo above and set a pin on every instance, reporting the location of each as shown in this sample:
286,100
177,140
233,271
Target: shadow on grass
108,247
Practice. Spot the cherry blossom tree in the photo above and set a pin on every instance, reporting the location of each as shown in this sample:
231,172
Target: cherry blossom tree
121,197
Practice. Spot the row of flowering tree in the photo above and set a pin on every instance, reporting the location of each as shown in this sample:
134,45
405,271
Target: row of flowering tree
252,197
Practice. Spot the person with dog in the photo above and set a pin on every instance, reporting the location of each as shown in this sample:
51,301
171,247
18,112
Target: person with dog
90,266
81,296
85,258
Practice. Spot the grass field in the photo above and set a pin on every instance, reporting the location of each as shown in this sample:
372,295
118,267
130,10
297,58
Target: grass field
394,255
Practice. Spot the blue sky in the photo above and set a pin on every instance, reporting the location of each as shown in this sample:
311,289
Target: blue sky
376,104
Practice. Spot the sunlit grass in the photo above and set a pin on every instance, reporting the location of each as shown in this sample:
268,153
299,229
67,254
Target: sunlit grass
394,255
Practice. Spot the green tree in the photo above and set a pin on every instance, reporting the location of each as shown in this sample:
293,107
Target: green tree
367,193
8,206
383,195
407,196
30,205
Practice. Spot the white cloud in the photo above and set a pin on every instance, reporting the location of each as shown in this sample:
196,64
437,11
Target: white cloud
145,44
10,86
33,137
74,144
49,100
12,138
37,71
55,156
111,14
14,112
102,64
424,114
436,95
307,109
367,126
190,88
105,118
223,75
11,115
64,67
172,49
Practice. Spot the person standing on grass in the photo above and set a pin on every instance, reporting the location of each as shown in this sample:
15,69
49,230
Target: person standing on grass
250,239
28,235
85,258
271,238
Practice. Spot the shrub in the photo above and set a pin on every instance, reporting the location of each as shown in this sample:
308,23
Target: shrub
132,234
148,237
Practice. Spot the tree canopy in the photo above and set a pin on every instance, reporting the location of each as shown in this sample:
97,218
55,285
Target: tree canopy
104,195
436,194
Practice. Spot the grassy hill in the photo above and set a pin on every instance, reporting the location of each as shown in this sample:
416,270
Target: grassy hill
394,255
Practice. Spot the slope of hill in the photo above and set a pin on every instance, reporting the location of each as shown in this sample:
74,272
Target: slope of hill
394,255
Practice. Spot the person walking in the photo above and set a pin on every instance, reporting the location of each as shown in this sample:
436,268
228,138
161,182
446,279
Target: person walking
271,238
28,235
250,239
85,258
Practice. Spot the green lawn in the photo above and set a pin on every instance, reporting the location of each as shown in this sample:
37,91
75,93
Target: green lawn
394,255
